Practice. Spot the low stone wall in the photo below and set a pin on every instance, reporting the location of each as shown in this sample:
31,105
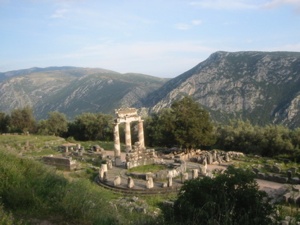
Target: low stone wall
60,162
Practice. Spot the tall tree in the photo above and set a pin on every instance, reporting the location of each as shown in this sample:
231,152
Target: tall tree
193,126
56,124
22,120
185,124
160,129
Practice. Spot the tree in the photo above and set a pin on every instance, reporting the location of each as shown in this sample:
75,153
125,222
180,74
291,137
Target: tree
270,140
160,129
185,124
91,126
22,120
229,198
4,122
276,141
56,124
193,125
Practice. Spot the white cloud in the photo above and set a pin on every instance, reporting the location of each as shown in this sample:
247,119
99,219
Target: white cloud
187,26
225,4
275,3
182,26
59,13
197,22
278,3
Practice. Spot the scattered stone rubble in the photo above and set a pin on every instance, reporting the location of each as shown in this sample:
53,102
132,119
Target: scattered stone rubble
134,204
276,174
71,153
139,155
211,157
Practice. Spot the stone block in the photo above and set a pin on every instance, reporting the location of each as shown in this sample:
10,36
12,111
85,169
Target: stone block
149,183
194,173
101,174
276,169
104,167
184,177
261,175
105,176
295,180
164,185
118,161
117,181
130,182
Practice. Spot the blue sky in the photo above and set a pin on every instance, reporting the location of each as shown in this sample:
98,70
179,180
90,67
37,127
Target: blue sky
159,37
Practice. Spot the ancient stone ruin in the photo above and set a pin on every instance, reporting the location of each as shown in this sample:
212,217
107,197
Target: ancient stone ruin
140,156
60,162
137,154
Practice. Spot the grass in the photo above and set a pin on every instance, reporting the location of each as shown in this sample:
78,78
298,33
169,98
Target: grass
29,189
30,143
34,190
147,168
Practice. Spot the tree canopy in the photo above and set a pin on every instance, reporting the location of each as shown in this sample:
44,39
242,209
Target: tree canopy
91,126
229,198
185,124
56,124
22,120
270,140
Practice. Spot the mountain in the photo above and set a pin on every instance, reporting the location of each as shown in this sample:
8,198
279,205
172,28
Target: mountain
73,90
263,87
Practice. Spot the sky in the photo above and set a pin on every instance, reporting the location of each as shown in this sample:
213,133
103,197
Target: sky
162,38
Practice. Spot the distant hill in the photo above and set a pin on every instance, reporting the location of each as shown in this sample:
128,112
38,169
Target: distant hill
73,90
263,87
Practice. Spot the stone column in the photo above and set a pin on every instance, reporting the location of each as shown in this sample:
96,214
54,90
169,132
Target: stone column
127,135
141,134
194,173
170,183
117,145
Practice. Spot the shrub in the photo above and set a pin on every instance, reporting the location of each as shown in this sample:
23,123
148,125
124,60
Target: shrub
230,198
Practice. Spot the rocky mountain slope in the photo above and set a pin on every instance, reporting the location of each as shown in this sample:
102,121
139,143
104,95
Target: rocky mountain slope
263,87
73,90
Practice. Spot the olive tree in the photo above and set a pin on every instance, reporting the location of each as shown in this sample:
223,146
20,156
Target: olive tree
22,120
91,126
56,124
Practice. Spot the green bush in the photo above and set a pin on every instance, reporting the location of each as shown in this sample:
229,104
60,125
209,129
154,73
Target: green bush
84,202
36,191
270,140
6,218
230,198
26,184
